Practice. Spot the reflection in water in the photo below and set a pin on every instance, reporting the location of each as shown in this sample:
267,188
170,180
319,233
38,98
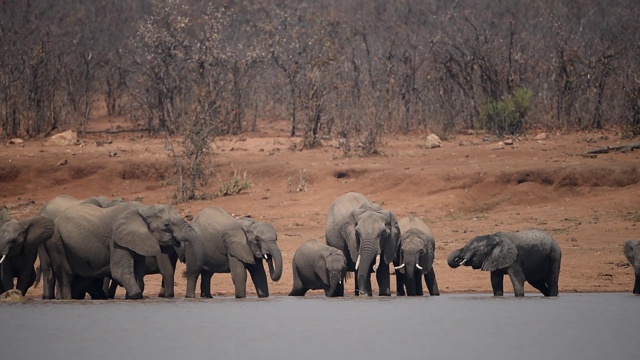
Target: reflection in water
479,326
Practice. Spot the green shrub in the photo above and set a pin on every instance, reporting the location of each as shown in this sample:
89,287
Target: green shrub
507,117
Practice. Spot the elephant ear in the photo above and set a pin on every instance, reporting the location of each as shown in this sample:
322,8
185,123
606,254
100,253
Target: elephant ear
628,250
426,259
320,266
391,246
37,230
236,241
4,215
130,231
503,254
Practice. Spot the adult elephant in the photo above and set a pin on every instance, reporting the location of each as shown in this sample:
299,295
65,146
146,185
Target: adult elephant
530,255
52,209
92,243
632,253
417,252
265,234
19,242
229,248
368,236
318,266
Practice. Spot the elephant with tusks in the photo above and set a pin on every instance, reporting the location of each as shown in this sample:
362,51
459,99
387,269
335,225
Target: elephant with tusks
416,256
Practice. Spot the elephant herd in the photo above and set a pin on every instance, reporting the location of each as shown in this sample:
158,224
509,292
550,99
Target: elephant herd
91,246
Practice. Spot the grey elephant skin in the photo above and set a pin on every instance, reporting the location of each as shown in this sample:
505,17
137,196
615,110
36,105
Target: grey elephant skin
318,266
632,253
368,236
19,243
415,260
237,247
93,243
530,255
52,210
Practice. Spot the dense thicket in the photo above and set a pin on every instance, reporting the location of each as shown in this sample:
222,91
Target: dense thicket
353,70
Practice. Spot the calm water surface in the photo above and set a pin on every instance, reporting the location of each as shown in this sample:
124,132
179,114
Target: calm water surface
572,326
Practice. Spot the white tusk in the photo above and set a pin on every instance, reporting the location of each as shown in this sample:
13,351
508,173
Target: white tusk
265,257
418,266
399,266
463,261
1,260
340,282
358,262
375,264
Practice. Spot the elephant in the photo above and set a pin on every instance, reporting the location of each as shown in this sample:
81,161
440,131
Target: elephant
368,236
531,255
265,235
417,252
93,243
52,209
632,253
318,266
230,248
19,243
161,264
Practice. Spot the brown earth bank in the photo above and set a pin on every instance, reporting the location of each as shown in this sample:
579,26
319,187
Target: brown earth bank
471,185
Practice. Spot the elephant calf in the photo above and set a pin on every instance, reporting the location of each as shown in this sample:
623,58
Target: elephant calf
632,253
531,255
318,266
417,252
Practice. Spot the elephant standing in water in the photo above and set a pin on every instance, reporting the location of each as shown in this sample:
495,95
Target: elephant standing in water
417,252
368,236
318,266
632,253
19,243
52,210
93,243
236,246
530,255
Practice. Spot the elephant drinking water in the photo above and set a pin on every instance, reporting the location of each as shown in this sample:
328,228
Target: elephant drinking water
417,252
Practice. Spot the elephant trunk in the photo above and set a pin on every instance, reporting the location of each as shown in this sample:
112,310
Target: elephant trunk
275,270
454,260
367,255
410,276
186,233
334,281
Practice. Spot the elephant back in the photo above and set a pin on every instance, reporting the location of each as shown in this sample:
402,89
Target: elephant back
412,222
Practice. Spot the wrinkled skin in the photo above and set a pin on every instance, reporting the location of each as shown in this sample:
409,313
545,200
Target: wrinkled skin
368,236
93,243
164,264
52,209
416,256
230,248
19,242
530,255
632,253
318,266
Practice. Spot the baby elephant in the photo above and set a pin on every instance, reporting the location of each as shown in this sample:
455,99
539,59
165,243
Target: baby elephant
632,253
318,266
530,255
417,251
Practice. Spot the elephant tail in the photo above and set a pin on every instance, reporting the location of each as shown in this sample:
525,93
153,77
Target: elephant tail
38,276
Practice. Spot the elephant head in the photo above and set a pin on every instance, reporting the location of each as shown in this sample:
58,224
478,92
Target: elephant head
415,257
262,239
632,253
22,237
487,252
331,267
372,238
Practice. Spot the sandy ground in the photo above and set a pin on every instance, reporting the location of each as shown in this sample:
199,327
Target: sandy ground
465,188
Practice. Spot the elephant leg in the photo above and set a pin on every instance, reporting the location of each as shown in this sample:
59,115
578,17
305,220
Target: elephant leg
517,279
419,291
541,286
400,280
238,276
7,276
205,284
552,282
340,290
497,279
259,278
95,288
167,269
139,270
432,283
26,278
636,286
384,280
112,288
298,289
46,273
127,271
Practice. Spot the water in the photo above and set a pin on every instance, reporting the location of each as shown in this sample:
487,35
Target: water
572,326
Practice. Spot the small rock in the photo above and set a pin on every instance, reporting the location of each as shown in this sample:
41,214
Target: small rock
68,137
16,141
541,136
432,141
499,146
508,141
62,162
113,153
